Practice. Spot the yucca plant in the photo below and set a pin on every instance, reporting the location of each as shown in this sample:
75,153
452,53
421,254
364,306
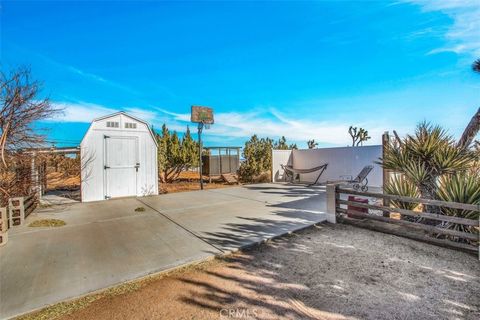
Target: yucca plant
398,185
462,187
424,157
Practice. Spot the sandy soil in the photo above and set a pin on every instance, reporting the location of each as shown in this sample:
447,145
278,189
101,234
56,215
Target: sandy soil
189,181
326,272
181,186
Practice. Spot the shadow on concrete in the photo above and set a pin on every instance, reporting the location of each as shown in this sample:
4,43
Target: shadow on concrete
253,230
291,190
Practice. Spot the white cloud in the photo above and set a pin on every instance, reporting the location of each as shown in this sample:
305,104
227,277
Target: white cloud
463,36
176,116
86,74
80,112
230,125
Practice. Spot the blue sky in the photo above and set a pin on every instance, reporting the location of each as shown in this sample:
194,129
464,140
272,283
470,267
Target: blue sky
300,69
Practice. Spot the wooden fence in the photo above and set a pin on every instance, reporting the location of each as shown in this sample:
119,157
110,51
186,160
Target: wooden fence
433,224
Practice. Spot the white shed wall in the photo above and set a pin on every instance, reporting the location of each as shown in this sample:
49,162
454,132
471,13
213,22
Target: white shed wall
341,161
280,157
93,157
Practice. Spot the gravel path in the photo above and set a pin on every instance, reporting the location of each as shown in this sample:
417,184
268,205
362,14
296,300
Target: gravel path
326,272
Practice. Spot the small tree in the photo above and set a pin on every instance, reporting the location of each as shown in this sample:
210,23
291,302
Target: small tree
174,154
20,107
258,158
189,150
282,144
358,135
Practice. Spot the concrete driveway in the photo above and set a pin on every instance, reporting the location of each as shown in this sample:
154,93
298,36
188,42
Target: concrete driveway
106,243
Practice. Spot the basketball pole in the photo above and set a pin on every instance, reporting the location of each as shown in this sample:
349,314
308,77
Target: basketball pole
200,129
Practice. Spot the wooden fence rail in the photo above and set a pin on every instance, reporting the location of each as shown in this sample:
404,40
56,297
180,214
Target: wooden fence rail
342,205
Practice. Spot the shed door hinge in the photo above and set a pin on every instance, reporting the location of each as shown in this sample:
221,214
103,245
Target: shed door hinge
106,167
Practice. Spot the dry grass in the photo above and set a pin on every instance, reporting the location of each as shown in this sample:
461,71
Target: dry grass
47,223
189,181
60,180
182,186
140,209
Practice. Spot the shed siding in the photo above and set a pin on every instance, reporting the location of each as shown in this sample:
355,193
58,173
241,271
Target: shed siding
93,156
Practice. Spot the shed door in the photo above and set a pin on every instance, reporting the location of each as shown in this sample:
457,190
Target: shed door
121,166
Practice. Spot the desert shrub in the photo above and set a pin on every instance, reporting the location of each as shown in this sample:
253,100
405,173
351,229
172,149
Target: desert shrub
398,185
258,158
424,157
175,154
464,188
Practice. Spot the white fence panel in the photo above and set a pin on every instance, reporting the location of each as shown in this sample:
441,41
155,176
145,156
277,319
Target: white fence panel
280,157
342,162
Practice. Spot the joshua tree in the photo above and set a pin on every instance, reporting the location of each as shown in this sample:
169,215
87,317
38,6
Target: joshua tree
425,157
358,135
476,65
474,125
312,144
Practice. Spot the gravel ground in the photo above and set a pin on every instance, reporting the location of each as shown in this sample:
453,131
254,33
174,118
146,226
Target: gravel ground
326,272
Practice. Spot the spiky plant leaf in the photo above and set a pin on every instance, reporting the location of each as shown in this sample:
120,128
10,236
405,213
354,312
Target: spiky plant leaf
425,156
463,188
398,185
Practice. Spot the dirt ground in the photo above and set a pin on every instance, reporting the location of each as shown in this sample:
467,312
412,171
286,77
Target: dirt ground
325,272
189,181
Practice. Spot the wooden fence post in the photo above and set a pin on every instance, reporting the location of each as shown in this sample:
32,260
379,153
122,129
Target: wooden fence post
385,172
331,203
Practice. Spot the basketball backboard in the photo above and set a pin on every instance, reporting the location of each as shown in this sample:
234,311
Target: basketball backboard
202,115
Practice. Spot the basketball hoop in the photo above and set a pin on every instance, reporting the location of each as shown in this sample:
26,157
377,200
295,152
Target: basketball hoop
204,117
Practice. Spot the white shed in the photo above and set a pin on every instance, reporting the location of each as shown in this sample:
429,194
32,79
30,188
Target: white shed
119,158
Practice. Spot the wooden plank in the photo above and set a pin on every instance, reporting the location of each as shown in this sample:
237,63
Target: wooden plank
427,215
229,178
433,229
404,232
453,205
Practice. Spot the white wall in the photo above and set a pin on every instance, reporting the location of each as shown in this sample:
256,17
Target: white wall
280,157
341,162
93,157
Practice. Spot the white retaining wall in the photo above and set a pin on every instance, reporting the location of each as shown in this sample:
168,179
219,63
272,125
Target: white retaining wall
343,161
280,157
